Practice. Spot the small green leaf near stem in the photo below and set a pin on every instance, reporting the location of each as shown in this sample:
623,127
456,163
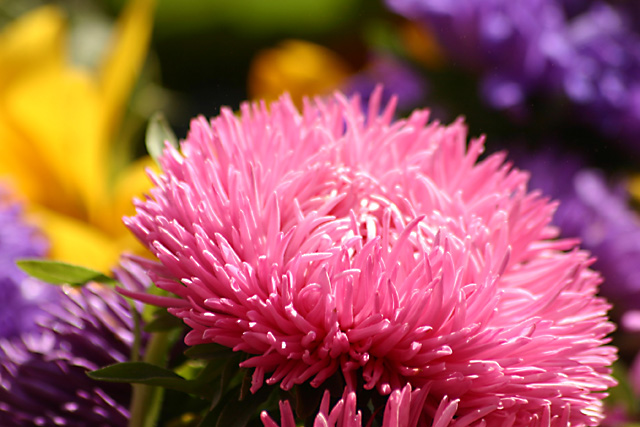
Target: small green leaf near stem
158,134
60,273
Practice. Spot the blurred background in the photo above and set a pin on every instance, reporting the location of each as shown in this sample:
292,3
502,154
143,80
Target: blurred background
554,82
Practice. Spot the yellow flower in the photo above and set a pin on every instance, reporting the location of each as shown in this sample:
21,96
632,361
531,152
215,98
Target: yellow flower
57,122
634,187
421,45
299,67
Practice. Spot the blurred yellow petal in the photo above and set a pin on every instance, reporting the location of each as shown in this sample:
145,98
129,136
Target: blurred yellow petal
634,187
56,123
32,41
298,67
422,45
131,182
20,168
125,60
77,242
58,111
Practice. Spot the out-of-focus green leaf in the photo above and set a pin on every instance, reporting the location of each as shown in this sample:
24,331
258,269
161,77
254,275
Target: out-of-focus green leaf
255,18
622,394
238,413
208,351
60,273
307,400
230,369
144,373
158,133
163,321
136,372
209,419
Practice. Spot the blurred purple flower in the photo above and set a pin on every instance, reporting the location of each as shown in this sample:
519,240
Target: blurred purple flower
631,321
397,77
596,212
20,297
498,38
586,50
43,377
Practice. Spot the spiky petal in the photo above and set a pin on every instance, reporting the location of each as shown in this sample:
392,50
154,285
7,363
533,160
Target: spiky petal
339,240
43,373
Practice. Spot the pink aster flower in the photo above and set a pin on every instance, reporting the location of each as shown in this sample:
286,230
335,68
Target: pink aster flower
403,408
338,242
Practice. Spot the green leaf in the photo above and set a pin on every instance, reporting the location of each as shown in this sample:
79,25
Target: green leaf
146,400
142,373
307,400
622,394
238,413
209,419
226,408
148,374
159,132
134,372
163,321
59,273
208,351
228,372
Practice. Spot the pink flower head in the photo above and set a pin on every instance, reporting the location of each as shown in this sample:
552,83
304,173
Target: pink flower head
338,241
403,408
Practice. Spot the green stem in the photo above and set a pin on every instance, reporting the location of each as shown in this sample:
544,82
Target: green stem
137,327
146,400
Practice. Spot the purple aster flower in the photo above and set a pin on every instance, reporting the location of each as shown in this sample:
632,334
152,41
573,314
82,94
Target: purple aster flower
596,212
601,72
20,297
398,78
587,51
43,377
499,38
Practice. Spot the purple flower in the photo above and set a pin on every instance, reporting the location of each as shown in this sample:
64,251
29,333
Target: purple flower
586,51
397,78
599,214
499,38
601,68
43,377
20,297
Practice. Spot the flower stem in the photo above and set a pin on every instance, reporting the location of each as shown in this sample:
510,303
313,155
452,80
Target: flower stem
146,400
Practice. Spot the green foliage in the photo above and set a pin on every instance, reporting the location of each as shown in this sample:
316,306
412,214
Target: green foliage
137,372
208,351
234,412
158,133
148,374
162,321
212,375
60,273
254,18
622,395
